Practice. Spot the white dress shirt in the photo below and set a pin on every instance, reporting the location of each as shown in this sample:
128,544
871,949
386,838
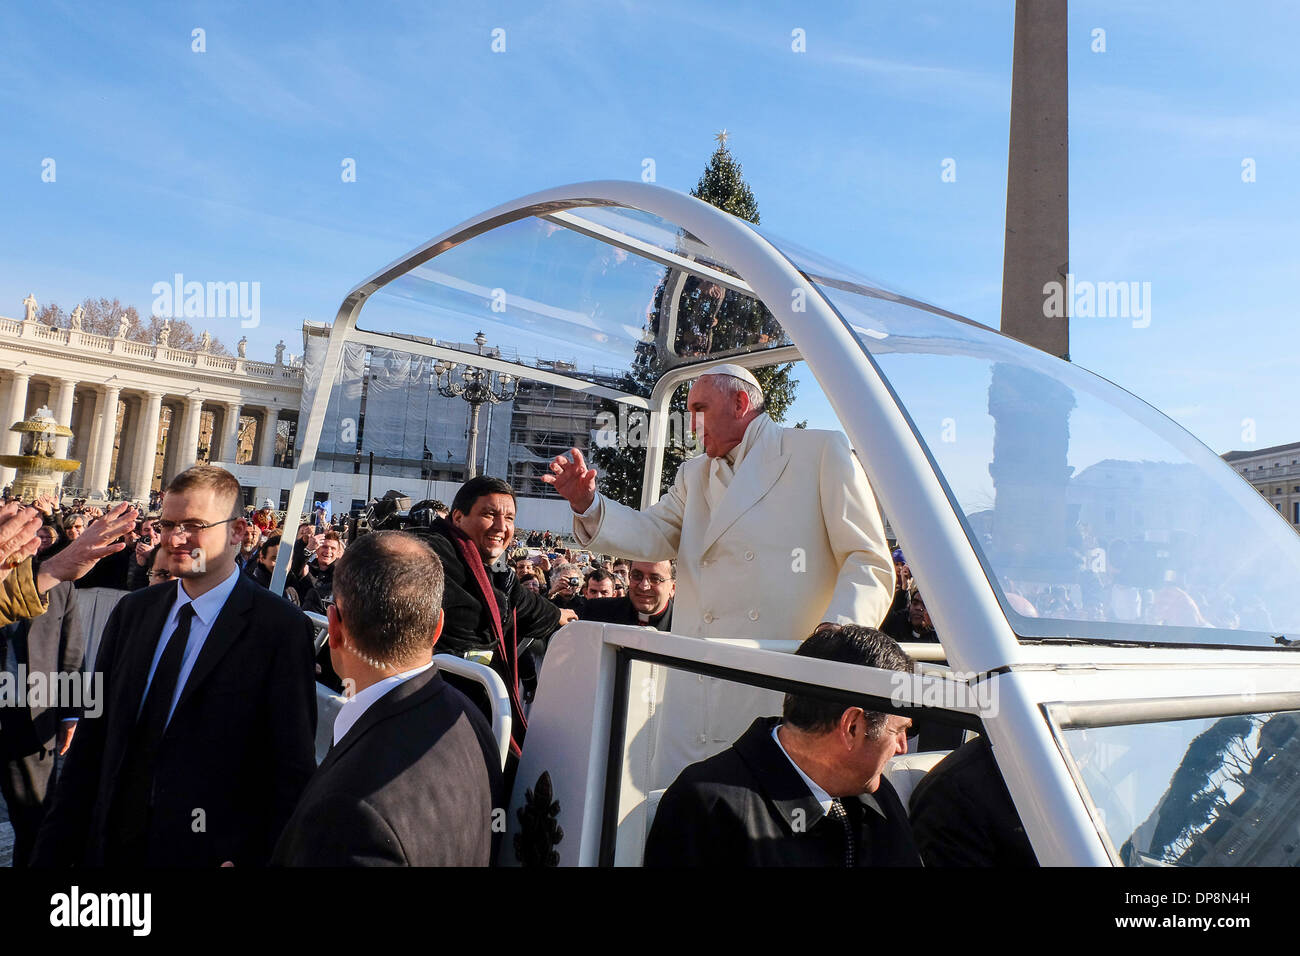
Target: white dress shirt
820,795
206,608
354,707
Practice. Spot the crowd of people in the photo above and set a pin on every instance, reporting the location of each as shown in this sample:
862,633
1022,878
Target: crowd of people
209,679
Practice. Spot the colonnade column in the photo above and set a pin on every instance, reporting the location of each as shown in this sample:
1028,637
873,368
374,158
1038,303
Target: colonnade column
104,435
230,433
146,450
270,421
63,415
187,453
16,408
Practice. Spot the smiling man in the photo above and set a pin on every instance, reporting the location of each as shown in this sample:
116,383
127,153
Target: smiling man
489,615
207,735
649,601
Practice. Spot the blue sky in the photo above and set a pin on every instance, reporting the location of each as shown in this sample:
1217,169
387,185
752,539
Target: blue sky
225,165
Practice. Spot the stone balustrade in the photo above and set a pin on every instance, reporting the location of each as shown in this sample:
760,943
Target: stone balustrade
88,342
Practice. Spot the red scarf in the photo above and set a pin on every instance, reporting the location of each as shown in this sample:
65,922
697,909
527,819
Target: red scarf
509,653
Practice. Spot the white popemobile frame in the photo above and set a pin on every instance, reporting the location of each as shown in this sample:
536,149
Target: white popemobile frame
1039,687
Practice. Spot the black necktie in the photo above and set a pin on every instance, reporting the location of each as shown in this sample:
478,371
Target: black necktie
153,718
839,813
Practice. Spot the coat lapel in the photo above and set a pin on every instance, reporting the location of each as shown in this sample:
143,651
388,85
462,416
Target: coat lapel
404,695
784,789
760,470
140,647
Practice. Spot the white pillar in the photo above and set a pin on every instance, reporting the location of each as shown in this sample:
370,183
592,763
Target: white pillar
16,409
105,436
90,468
63,414
187,452
267,439
230,433
147,447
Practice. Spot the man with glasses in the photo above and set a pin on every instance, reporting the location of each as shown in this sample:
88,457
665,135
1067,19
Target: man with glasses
207,735
649,602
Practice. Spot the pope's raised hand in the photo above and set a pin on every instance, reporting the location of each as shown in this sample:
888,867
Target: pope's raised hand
573,480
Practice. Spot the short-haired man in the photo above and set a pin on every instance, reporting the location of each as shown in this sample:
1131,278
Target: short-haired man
649,602
247,556
600,584
803,790
210,709
264,568
490,616
414,774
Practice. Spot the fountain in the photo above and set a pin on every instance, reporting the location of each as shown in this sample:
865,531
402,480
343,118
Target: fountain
38,471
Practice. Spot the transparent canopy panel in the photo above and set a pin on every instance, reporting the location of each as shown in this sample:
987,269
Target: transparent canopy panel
606,295
1095,516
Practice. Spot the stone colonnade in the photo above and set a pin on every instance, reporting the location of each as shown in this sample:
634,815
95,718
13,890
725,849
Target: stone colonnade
124,446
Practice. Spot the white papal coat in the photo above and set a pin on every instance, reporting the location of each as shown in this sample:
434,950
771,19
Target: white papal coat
796,539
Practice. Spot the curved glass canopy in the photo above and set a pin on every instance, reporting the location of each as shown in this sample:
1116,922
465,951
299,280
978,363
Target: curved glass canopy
1095,518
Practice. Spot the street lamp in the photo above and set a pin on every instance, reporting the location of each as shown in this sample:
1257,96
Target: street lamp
478,388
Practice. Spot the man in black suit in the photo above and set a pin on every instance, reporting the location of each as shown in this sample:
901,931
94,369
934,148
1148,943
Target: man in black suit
962,813
207,735
803,791
649,602
47,649
414,776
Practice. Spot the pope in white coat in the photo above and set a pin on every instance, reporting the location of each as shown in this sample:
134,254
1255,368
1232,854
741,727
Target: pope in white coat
774,531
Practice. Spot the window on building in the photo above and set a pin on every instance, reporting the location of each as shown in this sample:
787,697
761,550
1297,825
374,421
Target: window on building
1295,512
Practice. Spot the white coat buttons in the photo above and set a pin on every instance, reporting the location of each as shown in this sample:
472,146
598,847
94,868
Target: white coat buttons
708,617
753,615
749,555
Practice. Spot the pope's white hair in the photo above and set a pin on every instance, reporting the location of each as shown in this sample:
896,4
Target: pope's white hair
729,385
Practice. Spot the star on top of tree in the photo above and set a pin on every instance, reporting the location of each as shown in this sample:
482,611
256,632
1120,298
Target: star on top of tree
721,137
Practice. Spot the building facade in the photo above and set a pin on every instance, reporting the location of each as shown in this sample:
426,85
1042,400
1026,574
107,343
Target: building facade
141,413
1275,473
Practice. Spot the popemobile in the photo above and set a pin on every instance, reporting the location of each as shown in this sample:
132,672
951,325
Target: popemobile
1118,609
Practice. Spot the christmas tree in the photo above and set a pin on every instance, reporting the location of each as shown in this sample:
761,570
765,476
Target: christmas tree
709,321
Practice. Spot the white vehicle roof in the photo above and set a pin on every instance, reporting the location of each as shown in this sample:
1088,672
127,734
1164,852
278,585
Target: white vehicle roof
1050,515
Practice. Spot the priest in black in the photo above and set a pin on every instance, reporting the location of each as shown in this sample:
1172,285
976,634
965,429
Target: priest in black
805,789
649,601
